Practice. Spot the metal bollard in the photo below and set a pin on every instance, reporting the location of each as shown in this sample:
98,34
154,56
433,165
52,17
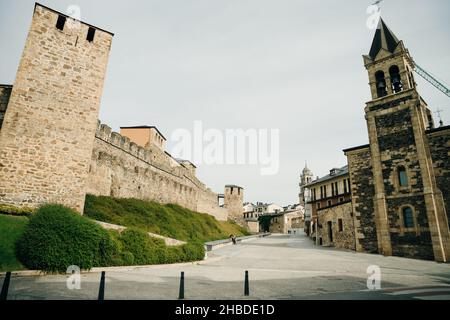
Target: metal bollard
181,295
246,285
5,287
101,292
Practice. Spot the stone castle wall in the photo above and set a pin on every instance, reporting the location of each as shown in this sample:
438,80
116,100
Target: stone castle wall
54,150
48,130
120,168
233,202
5,93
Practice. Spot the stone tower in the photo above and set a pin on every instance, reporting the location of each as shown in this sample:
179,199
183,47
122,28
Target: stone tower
48,130
234,202
305,177
408,207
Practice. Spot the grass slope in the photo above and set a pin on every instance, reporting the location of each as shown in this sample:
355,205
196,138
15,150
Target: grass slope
167,220
11,228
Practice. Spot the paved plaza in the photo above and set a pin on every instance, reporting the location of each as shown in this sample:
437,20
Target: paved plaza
280,267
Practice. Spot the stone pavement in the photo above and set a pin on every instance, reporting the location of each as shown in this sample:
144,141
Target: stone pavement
280,267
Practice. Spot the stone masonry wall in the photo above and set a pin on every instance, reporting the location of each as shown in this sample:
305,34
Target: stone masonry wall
344,239
207,202
49,127
120,168
398,148
439,143
234,202
363,191
5,93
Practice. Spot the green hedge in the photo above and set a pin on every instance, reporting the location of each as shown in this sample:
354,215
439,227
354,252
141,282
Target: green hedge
16,211
58,237
137,248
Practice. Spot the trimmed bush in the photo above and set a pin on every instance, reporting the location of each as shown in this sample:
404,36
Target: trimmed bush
16,211
58,237
144,249
137,248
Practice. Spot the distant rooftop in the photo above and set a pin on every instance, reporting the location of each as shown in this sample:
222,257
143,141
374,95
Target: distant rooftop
336,172
146,127
357,148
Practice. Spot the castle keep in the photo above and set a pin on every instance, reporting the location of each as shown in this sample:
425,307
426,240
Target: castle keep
53,149
400,181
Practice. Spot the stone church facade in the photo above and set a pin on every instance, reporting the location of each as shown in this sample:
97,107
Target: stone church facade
400,182
53,149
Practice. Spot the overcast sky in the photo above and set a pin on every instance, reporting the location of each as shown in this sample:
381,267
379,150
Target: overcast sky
291,65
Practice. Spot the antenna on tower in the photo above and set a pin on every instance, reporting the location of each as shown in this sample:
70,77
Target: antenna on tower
439,114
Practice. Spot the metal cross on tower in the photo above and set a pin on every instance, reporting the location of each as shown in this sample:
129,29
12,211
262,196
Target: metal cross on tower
438,112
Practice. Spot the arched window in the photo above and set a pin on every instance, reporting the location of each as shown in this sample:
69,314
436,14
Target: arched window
397,85
408,217
381,84
402,177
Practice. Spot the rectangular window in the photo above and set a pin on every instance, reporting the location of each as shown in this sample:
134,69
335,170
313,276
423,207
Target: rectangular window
336,188
91,34
349,186
345,185
325,191
408,218
402,177
341,225
329,203
332,189
61,22
321,192
318,205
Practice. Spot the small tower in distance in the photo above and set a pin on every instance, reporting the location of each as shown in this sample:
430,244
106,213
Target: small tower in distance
306,177
234,202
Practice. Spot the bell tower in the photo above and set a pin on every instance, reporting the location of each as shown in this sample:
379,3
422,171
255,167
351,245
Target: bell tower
306,177
409,209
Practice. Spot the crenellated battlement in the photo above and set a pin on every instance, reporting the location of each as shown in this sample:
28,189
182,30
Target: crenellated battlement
45,109
105,133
